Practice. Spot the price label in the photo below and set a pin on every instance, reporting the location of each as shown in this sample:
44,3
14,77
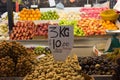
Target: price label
60,41
34,6
52,3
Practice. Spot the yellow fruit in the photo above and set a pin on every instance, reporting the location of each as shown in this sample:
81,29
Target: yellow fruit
31,15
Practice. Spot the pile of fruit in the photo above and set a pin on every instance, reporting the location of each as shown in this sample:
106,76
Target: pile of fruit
96,65
92,12
109,25
42,29
3,29
114,55
49,15
72,15
41,50
15,60
116,76
4,32
29,14
48,69
23,30
91,26
77,30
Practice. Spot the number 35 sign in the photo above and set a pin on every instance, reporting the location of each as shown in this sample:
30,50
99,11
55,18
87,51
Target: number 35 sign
60,41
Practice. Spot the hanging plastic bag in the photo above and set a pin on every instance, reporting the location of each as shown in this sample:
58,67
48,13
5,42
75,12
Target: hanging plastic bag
117,6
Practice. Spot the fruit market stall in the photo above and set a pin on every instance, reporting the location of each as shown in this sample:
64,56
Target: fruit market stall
86,21
31,58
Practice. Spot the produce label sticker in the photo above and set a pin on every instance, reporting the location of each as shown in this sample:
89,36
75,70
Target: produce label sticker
61,40
52,3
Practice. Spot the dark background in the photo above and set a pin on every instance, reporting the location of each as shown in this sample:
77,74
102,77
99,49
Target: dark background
67,3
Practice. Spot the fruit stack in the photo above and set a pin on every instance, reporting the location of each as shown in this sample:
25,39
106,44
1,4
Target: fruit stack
109,25
72,15
42,29
91,26
48,69
15,60
29,14
42,50
77,30
116,76
4,31
92,12
49,15
23,30
96,65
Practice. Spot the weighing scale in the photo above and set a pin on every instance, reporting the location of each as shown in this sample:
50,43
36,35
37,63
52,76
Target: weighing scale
112,42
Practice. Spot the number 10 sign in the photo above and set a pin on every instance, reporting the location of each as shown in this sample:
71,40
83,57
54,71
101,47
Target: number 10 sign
60,41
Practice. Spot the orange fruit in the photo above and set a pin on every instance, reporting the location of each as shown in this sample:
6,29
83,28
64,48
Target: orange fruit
29,19
38,15
31,15
27,16
33,18
37,10
35,15
24,18
33,12
36,18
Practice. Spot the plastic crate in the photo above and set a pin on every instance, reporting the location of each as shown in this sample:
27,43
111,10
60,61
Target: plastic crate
102,77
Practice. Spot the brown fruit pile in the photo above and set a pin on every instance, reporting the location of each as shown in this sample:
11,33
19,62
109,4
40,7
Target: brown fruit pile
15,60
48,69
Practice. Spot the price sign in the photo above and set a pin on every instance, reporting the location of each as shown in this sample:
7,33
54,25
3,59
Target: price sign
60,41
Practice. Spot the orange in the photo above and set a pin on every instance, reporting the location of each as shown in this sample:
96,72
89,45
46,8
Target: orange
33,12
24,18
33,18
36,18
29,18
108,22
37,10
31,15
35,15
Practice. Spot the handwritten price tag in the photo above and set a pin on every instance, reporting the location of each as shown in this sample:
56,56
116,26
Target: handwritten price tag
60,41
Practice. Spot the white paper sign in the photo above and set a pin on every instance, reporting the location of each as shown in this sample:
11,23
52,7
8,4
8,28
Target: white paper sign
52,3
34,6
61,40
